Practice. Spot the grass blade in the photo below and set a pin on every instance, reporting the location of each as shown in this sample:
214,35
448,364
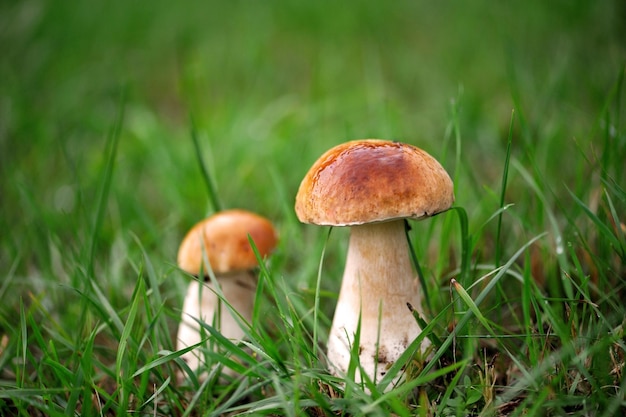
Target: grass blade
472,306
208,181
465,245
122,360
318,284
505,175
107,176
418,268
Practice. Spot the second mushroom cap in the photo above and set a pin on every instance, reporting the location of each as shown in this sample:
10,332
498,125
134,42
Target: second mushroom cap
223,237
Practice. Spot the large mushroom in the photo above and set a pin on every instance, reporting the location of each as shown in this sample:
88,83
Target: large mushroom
222,239
372,186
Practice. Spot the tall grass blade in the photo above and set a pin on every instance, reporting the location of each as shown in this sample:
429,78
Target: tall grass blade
318,285
465,245
208,181
24,343
620,230
107,176
105,187
610,127
123,359
418,268
505,176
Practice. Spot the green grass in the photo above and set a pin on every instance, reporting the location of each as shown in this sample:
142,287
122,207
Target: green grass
121,125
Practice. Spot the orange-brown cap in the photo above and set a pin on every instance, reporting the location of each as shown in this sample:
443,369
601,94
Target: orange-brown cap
224,239
373,180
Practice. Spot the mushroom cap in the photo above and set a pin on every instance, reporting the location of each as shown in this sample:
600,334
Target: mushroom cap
224,239
373,180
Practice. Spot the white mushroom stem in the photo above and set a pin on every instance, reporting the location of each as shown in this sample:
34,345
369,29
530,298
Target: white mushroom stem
202,302
378,282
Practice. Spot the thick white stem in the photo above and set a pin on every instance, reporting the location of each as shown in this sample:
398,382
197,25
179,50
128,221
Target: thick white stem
378,283
202,303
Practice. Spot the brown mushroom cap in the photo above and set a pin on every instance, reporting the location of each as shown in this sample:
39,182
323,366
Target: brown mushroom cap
224,239
372,180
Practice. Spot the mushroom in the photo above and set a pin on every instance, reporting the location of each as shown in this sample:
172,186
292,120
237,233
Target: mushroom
372,186
222,239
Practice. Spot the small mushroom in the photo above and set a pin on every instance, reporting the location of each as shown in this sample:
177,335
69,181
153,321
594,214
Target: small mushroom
222,239
372,186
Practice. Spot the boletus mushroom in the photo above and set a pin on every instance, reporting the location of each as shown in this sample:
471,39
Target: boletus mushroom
222,240
372,186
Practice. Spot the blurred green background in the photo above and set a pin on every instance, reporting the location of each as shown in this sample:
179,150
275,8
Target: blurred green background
271,85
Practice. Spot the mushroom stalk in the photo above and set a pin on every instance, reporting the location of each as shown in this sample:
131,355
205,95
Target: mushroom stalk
378,282
202,303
